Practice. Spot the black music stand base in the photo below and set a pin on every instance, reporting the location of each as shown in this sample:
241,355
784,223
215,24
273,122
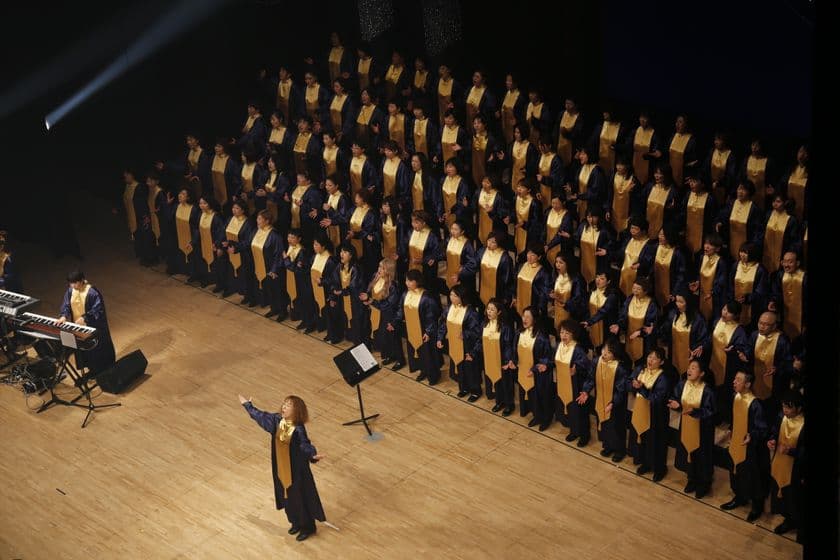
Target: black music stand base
372,436
80,383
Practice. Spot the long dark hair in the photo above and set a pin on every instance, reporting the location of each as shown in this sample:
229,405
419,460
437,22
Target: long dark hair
502,317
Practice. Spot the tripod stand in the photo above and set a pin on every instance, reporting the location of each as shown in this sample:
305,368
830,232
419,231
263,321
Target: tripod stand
364,418
80,381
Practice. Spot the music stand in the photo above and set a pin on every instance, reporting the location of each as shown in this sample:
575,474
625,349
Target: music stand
80,381
356,365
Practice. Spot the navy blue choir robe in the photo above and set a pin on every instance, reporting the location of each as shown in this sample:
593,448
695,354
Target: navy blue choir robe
555,180
468,371
540,288
502,390
312,161
431,139
699,336
144,241
356,328
532,162
617,146
468,264
102,355
201,172
404,139
389,343
505,276
533,227
487,105
427,358
9,277
498,212
758,298
520,108
242,246
208,271
181,263
422,94
574,415
801,213
607,314
312,200
711,211
729,181
300,500
790,237
321,112
777,297
755,223
462,212
576,136
272,292
485,163
739,343
604,241
771,174
167,243
282,151
645,170
258,180
233,183
652,451
393,91
456,97
789,503
369,177
671,214
369,135
566,243
677,275
297,105
542,398
577,304
431,193
613,432
651,318
339,217
646,258
596,187
782,361
402,183
538,126
700,469
749,480
256,136
367,81
348,112
691,158
463,139
431,252
323,318
720,285
303,306
371,236
637,200
342,169
281,198
322,67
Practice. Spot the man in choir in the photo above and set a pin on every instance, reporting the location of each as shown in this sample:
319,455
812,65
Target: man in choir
83,305
254,131
768,352
788,295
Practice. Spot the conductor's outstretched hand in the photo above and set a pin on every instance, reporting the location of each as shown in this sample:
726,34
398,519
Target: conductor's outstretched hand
243,400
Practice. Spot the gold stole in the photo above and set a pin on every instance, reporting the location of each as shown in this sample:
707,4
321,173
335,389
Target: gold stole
564,145
153,212
719,159
676,154
740,428
525,352
708,270
278,135
396,129
335,62
553,222
77,301
524,284
282,453
392,76
330,156
519,155
363,69
765,355
449,190
420,78
363,120
335,111
417,191
128,201
416,247
563,363
218,174
485,223
636,312
454,330
774,238
444,96
641,409
357,165
588,246
597,299
206,236
257,251
720,340
411,310
334,230
473,102
797,183
492,350
621,202
283,91
448,138
299,151
609,133
641,146
662,273
356,220
792,298
489,268
631,257
182,228
389,237
270,188
756,172
583,186
249,123
248,183
604,382
192,157
479,156
696,210
535,112
291,283
315,274
311,98
692,396
297,196
346,274
420,136
377,293
680,343
744,281
389,175
655,212
453,258
523,211
782,466
508,116
544,169
738,226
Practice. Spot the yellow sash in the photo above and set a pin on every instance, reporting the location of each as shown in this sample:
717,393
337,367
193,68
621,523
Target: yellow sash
318,265
719,159
330,157
356,221
377,293
153,212
744,282
563,291
357,165
636,312
740,428
420,136
182,228
206,236
411,309
489,267
692,396
680,343
765,356
738,226
597,299
444,96
676,154
708,270
523,211
396,129
420,78
553,221
282,453
454,332
299,151
797,183
621,202
583,185
363,69
257,251
291,283
232,234
416,246
278,135
77,302
641,409
655,213
562,364
248,183
453,258
756,170
604,382
284,88
564,146
720,340
792,296
389,175
450,197
218,174
533,112
774,238
485,223
631,257
694,221
609,133
524,282
492,351
662,273
525,352
641,146
128,201
334,230
479,156
297,196
335,111
588,246
311,98
473,102
345,273
389,238
417,191
782,466
544,169
508,116
519,155
448,139
335,62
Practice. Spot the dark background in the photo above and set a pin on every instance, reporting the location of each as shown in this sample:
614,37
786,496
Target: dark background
742,66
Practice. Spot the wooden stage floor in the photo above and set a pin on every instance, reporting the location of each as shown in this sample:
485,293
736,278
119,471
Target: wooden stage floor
180,471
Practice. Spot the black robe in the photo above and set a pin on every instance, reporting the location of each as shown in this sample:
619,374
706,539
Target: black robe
652,451
700,469
102,355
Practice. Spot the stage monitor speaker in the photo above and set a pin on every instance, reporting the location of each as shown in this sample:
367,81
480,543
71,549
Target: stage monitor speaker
123,373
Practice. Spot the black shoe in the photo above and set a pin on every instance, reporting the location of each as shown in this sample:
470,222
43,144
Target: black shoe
753,515
300,326
690,487
226,294
491,395
398,366
533,422
293,530
784,527
308,330
473,398
252,304
327,338
508,411
642,470
731,504
386,361
433,383
522,412
544,427
192,280
420,377
302,536
571,437
218,289
462,394
245,301
582,442
271,313
701,492
204,284
659,476
618,457
497,407
606,452
282,316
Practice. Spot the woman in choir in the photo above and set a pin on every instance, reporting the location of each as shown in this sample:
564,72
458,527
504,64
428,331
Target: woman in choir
347,314
454,196
479,100
268,281
585,183
207,239
394,177
538,118
711,278
649,422
670,267
423,250
400,128
397,80
592,240
728,340
635,256
424,192
684,333
321,271
162,235
624,195
382,299
695,401
795,184
570,132
682,151
252,176
662,201
186,216
559,229
573,371
135,201
316,102
610,383
296,261
307,152
271,195
460,259
496,348
786,443
363,233
485,151
424,133
550,174
749,285
521,157
601,309
491,209
341,113
607,138
699,212
394,230
361,171
421,84
527,217
513,108
254,132
419,311
740,220
533,283
367,69
449,92
197,164
759,170
722,167
454,141
644,145
637,318
335,160
780,233
495,271
459,332
83,305
225,175
533,360
369,120
236,269
336,211
289,99
280,141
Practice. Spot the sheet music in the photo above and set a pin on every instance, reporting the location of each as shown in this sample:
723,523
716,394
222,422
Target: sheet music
67,339
363,357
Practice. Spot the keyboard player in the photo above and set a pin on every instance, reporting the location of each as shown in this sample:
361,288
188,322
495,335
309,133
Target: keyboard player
83,305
